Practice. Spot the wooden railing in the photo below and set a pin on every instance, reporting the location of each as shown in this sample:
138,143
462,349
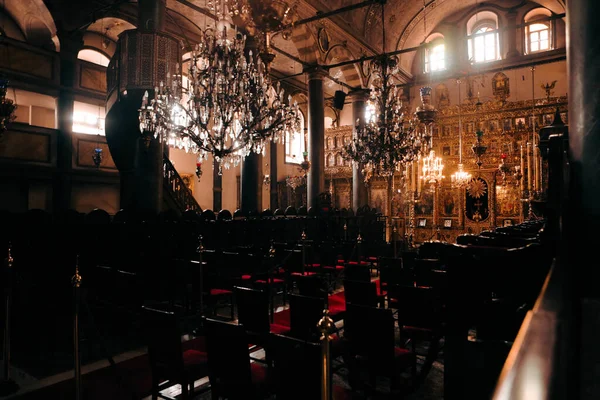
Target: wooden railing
177,189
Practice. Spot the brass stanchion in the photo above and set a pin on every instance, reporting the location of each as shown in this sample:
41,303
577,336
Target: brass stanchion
270,281
358,246
326,326
7,385
394,233
76,282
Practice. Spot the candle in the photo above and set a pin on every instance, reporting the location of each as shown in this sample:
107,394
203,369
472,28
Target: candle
418,177
528,166
536,175
540,170
522,183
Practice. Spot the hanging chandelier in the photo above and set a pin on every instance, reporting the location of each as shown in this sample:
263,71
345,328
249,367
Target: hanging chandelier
386,140
228,108
432,169
7,107
460,178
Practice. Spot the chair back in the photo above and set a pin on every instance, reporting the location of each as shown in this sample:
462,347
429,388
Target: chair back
296,366
357,272
361,293
252,309
305,313
311,285
417,306
228,358
163,339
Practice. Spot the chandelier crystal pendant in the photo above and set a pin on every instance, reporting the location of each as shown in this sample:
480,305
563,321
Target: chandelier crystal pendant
460,178
229,106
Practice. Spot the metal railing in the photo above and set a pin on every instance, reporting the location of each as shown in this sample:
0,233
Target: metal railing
177,188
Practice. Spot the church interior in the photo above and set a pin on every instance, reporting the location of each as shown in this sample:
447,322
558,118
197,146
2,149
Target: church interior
299,199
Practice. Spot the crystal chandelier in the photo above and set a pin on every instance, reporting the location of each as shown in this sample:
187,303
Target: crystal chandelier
432,169
229,106
7,107
386,140
460,178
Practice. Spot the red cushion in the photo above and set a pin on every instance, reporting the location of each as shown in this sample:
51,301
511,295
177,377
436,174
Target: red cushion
279,329
282,317
364,263
271,280
305,274
194,358
372,259
312,265
259,373
403,357
246,276
339,298
336,267
216,292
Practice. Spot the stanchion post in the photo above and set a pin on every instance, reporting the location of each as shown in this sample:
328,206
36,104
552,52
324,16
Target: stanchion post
270,271
303,241
394,233
358,246
200,251
7,385
76,282
327,327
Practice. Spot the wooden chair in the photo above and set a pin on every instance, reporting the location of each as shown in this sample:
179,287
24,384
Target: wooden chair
169,364
232,376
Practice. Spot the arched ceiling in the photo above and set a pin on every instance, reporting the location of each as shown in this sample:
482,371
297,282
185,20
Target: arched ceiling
359,30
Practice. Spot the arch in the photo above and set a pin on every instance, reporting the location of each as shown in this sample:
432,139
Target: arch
35,21
350,72
306,44
538,12
481,19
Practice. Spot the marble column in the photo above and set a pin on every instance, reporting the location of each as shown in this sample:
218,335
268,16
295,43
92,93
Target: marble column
359,189
581,208
316,136
61,194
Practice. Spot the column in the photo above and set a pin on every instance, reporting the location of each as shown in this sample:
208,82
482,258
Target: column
61,192
249,184
511,34
250,173
217,188
359,189
582,208
316,135
273,203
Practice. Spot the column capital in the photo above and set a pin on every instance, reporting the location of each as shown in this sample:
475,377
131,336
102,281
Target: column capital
316,72
358,95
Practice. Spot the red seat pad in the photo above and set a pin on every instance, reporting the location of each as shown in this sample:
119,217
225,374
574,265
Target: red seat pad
279,329
216,292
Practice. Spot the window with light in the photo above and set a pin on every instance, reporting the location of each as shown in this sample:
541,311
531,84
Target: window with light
294,144
88,118
93,56
483,45
538,37
435,58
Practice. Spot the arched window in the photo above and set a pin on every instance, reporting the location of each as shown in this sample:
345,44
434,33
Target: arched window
538,32
294,145
435,54
483,38
93,56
